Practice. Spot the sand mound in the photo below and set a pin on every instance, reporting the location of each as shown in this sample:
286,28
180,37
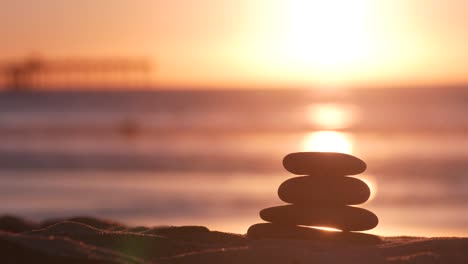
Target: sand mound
427,250
102,224
73,242
19,248
15,224
66,228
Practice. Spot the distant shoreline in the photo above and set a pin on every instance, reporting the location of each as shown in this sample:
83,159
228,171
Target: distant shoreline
227,88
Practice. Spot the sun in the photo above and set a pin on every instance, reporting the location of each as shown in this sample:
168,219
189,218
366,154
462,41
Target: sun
327,35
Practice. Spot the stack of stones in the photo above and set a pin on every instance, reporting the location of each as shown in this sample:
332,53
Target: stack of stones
322,198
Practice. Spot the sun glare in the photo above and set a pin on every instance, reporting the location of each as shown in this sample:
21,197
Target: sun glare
327,36
328,32
328,141
372,186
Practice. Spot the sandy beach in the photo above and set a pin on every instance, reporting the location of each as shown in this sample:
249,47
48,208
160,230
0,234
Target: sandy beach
222,131
91,240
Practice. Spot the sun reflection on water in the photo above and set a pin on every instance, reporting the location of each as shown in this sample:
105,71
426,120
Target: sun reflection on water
328,141
332,116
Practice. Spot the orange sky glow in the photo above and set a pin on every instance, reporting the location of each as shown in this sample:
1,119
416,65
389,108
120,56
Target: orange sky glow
253,43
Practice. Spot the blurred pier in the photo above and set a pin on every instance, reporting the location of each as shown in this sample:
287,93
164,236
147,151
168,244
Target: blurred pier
38,72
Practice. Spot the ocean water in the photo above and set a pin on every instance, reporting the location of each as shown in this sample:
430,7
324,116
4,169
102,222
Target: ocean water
213,158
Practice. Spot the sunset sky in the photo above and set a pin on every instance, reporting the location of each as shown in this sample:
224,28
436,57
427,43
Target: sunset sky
253,43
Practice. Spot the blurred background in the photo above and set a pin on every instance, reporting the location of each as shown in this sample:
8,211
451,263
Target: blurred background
179,112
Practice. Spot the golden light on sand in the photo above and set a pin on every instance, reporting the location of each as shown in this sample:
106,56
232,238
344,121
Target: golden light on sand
326,228
328,141
331,116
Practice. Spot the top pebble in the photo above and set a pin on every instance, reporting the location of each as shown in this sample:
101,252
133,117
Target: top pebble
323,164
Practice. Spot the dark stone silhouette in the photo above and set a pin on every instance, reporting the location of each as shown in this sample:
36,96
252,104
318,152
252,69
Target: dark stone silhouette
320,199
346,218
324,190
323,163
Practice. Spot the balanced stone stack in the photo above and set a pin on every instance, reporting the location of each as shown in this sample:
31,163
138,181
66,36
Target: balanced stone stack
322,198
